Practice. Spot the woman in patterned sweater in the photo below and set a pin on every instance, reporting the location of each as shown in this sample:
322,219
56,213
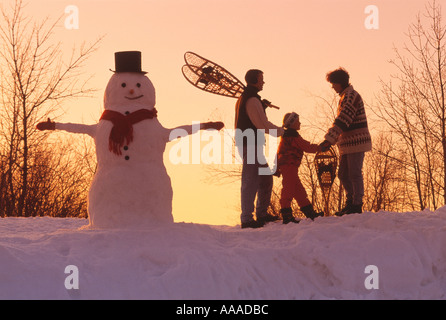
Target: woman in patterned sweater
350,132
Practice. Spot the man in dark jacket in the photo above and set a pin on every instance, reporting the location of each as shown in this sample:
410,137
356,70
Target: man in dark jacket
251,123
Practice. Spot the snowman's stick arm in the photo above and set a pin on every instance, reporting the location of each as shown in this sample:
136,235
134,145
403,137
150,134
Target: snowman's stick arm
77,128
179,132
183,131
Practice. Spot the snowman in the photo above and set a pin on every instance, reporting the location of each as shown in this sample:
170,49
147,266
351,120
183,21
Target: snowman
131,187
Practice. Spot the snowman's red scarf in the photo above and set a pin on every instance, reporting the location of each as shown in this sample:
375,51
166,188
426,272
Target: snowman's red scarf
123,126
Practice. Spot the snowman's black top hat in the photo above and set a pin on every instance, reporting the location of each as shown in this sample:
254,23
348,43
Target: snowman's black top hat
128,61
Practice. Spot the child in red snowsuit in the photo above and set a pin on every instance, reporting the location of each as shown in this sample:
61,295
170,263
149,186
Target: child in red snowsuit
289,156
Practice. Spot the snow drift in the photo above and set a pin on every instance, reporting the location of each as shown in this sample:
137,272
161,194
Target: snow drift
323,259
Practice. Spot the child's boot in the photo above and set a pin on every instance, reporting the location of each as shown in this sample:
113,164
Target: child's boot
309,212
287,216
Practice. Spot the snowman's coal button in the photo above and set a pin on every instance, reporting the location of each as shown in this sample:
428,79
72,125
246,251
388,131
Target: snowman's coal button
126,157
127,112
126,148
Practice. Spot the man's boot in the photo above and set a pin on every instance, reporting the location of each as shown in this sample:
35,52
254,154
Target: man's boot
252,224
287,216
309,212
268,218
346,208
354,208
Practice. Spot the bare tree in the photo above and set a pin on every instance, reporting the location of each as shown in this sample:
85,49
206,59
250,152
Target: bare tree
35,80
413,106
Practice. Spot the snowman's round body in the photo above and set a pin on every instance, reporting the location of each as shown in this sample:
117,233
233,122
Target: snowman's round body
133,188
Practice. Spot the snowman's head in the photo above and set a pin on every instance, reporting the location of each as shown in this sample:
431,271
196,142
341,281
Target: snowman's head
129,90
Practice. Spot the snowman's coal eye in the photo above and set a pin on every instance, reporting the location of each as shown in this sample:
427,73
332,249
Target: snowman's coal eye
138,85
123,84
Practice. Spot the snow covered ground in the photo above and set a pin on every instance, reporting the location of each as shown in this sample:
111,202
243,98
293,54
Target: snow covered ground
324,259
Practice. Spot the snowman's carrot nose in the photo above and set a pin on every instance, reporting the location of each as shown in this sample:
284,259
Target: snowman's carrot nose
131,91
